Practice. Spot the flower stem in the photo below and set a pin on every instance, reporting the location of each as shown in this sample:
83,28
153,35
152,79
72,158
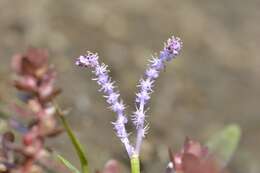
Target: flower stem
135,164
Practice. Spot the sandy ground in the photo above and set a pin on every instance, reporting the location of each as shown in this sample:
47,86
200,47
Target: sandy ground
213,83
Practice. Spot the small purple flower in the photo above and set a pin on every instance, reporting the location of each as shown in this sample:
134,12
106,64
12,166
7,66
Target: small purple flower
118,107
152,73
102,79
138,117
90,60
107,87
112,97
143,96
147,84
156,63
171,49
100,70
81,61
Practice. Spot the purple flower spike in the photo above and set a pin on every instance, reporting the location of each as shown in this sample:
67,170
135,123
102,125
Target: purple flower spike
171,50
145,88
90,60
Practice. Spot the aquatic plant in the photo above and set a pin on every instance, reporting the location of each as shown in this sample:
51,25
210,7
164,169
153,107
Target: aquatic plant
156,64
34,80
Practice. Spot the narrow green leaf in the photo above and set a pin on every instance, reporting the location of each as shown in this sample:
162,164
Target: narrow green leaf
223,144
68,164
77,145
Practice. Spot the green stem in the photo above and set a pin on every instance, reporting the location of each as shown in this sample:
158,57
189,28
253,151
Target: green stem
77,145
135,164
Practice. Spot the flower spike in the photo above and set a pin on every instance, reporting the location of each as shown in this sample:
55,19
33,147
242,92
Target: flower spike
145,88
90,60
171,50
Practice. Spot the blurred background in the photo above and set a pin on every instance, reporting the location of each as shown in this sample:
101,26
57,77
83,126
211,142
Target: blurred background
214,82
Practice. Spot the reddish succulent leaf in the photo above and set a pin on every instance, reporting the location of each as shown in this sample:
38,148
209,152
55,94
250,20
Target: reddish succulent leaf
112,166
26,83
195,148
194,158
36,79
31,62
190,163
37,57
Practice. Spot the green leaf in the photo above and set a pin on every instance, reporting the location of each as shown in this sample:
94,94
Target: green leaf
68,164
224,143
77,145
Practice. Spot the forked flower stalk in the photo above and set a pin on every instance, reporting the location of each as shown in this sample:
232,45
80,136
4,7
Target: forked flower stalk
145,88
